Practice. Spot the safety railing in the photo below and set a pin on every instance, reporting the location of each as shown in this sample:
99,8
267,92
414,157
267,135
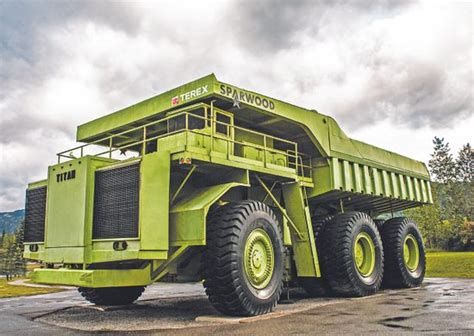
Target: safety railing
136,141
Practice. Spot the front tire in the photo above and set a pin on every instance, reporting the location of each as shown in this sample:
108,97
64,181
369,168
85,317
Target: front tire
112,296
405,261
352,255
243,260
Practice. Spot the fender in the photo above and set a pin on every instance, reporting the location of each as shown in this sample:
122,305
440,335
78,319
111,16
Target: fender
188,215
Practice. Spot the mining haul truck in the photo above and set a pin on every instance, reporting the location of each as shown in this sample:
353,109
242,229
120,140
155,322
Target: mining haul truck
246,193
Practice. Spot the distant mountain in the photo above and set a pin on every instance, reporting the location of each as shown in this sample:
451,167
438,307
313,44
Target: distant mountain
10,221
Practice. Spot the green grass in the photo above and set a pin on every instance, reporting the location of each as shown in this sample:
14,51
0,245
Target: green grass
439,265
450,264
7,290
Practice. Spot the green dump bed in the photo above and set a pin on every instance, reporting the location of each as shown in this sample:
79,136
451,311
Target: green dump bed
362,175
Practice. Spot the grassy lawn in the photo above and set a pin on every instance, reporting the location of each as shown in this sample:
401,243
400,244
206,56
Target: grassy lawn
450,264
7,290
439,265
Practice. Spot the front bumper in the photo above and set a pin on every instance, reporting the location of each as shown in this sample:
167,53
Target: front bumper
93,278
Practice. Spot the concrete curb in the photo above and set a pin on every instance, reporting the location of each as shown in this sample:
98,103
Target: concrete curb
304,305
24,283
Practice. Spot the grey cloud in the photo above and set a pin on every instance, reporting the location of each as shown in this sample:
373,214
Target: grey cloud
423,96
418,99
431,92
20,21
19,128
254,44
272,25
25,26
381,5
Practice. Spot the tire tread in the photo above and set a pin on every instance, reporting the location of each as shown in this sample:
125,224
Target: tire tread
336,256
221,258
112,296
392,236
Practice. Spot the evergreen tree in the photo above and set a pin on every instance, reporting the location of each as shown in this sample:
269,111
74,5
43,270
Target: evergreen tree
15,264
463,189
20,263
447,223
442,164
465,164
3,238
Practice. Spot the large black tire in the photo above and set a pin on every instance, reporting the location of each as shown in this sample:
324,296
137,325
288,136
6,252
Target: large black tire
379,223
397,272
317,287
112,296
338,255
226,282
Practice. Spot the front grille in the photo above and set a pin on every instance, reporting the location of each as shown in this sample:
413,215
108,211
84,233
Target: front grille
116,198
35,211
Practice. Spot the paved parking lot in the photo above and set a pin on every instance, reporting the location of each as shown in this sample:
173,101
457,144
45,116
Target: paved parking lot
441,306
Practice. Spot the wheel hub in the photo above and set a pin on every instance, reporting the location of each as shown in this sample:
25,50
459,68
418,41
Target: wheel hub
259,258
411,253
364,254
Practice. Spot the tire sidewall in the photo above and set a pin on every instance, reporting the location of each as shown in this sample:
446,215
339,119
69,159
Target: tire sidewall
262,220
416,277
375,278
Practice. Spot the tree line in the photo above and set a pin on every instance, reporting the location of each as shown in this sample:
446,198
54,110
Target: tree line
12,263
448,224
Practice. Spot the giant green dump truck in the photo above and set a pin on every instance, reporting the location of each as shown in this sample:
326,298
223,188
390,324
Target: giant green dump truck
212,182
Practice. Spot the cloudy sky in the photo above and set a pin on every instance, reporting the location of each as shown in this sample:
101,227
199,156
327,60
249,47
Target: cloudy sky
393,73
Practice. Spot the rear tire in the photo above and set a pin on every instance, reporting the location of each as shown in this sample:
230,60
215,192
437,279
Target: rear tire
405,261
379,223
352,255
243,259
112,296
317,287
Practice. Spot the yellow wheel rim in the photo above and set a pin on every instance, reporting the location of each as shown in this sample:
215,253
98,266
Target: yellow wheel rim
259,259
411,253
364,254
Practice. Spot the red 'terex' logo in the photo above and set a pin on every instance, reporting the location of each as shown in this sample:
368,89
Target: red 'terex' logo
175,100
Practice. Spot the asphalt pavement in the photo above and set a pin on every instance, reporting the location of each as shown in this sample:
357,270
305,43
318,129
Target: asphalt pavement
440,306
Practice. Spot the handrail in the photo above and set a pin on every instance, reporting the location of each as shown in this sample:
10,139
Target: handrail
123,132
174,115
294,158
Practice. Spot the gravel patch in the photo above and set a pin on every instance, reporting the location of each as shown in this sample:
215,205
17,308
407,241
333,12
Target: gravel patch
166,313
